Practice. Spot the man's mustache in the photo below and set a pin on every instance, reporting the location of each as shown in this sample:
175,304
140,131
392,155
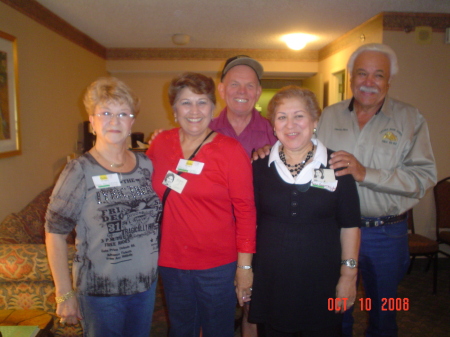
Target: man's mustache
371,90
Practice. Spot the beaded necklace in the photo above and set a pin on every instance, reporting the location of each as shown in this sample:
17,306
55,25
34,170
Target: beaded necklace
296,168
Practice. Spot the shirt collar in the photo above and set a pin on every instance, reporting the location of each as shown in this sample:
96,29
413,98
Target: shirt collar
224,122
306,175
382,108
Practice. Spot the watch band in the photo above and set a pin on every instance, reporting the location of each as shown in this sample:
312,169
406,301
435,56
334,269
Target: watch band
245,267
351,263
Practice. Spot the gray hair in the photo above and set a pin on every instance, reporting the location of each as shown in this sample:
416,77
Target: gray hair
378,47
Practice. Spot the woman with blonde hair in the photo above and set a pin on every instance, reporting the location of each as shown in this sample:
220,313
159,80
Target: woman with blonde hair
107,196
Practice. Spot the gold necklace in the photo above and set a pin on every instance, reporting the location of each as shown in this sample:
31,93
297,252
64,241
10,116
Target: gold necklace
112,165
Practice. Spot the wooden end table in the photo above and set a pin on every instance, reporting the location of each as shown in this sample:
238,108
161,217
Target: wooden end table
38,318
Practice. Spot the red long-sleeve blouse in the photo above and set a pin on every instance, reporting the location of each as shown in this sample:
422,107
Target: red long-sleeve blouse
214,217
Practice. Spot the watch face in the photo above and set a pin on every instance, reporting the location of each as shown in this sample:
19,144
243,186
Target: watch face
350,263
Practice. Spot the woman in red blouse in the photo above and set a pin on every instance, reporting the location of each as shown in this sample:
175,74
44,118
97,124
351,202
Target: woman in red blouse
209,223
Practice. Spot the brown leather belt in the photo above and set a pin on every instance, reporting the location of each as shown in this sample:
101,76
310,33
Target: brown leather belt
383,220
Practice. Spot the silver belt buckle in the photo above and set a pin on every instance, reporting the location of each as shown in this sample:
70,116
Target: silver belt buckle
378,223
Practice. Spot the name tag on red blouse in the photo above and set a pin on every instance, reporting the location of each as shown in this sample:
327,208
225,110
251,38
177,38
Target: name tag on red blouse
190,166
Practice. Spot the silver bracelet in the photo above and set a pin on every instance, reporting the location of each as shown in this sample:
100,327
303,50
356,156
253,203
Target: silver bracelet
245,267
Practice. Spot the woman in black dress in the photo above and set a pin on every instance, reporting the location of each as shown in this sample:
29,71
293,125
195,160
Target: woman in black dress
308,228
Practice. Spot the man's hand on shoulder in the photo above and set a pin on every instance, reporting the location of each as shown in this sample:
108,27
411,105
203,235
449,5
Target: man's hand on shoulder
154,135
348,165
261,153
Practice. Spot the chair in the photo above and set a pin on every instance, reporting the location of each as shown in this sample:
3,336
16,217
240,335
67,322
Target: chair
420,245
442,201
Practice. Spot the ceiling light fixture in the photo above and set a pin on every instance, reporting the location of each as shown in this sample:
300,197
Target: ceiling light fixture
180,39
298,41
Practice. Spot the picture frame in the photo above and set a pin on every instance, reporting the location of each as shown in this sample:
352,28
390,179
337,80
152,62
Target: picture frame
9,108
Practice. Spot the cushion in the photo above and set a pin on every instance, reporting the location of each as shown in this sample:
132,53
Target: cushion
12,230
27,226
28,295
34,215
27,262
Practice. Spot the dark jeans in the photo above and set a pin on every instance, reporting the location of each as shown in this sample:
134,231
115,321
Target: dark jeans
117,316
383,262
203,299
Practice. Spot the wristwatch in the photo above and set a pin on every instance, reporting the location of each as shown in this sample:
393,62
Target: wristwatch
351,263
245,267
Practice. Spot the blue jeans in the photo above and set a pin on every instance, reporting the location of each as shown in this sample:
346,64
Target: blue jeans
383,262
203,299
118,316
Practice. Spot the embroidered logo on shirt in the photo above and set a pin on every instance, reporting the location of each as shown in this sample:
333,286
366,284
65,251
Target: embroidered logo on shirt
390,136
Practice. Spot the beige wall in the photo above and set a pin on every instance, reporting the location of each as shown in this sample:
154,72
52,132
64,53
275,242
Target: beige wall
423,81
423,84
53,73
150,80
372,31
331,65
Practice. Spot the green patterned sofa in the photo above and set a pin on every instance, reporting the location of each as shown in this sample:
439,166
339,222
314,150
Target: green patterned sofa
25,278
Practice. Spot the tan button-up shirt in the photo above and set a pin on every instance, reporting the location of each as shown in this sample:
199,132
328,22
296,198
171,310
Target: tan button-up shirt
395,148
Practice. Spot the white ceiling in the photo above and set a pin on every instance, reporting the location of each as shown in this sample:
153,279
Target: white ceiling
230,24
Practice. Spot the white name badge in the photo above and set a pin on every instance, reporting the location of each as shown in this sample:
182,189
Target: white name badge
324,178
174,181
190,166
106,180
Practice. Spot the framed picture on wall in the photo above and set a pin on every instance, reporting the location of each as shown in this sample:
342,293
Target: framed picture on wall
9,110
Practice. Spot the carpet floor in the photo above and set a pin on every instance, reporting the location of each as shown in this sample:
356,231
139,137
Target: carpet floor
428,315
